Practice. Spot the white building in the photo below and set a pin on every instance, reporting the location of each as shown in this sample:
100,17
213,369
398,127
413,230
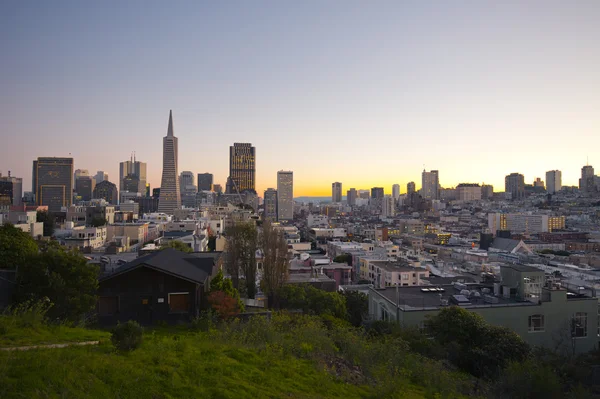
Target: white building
87,237
285,195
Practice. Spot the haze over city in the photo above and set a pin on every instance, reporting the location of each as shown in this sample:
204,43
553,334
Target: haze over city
334,91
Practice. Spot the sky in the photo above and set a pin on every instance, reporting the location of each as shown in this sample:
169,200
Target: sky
364,93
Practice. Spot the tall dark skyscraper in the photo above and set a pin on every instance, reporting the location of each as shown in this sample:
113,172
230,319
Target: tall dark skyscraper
242,168
11,190
84,187
336,192
351,196
205,181
53,182
107,191
170,197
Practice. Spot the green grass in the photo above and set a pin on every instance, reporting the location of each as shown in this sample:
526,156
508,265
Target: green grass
15,332
192,365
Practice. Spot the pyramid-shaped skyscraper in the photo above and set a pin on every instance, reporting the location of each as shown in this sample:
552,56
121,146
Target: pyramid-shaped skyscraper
170,197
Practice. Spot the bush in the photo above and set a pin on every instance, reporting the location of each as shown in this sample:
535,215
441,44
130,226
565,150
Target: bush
127,336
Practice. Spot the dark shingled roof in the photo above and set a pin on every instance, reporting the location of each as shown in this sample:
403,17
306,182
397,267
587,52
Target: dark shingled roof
195,267
505,244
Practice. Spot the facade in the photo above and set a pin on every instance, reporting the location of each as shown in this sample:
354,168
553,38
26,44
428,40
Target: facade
336,192
538,182
270,204
285,195
80,172
135,171
170,196
430,185
351,196
53,182
242,168
388,208
410,188
543,314
587,183
525,223
11,190
468,192
377,194
86,237
107,191
514,186
205,182
84,187
396,192
186,181
383,273
100,177
553,181
487,191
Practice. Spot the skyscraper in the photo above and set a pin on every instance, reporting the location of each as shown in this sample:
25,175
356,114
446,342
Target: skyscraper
336,192
53,182
136,170
84,187
553,181
100,177
377,194
514,185
270,204
410,188
170,197
242,168
186,181
205,181
11,190
396,192
388,208
430,183
586,183
351,197
107,191
81,172
285,195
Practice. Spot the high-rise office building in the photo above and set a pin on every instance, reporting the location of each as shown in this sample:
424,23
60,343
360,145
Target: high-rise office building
186,181
131,183
133,169
538,182
80,172
410,188
170,196
586,183
217,188
388,208
84,187
242,168
107,191
270,204
553,181
351,196
468,192
336,192
53,182
396,192
376,202
514,186
100,177
205,182
285,195
487,191
430,185
11,190
156,192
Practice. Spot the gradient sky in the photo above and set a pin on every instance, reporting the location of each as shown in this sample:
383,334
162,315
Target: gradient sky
364,93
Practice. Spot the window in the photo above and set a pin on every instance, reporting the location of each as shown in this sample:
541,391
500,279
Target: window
405,277
536,323
579,325
179,302
108,305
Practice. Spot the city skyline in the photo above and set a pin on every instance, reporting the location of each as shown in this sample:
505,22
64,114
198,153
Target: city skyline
479,99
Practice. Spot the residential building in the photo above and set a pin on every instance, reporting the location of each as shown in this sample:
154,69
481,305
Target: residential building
170,196
285,195
315,220
553,181
270,204
135,171
11,190
383,273
487,191
514,186
86,238
336,192
396,192
430,184
410,188
136,232
26,221
351,196
518,223
205,182
107,191
388,209
84,187
242,168
468,192
53,182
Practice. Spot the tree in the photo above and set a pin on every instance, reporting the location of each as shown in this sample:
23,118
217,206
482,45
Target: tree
275,260
344,258
65,278
16,247
240,260
528,379
98,221
357,307
49,221
222,284
312,300
178,245
224,305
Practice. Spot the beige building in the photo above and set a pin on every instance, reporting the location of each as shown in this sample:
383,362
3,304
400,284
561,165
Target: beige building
136,232
525,223
383,273
468,192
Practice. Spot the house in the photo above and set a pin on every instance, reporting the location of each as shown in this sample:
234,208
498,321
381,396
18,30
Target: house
166,285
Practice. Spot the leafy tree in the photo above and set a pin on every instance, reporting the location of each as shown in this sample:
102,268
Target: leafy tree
224,305
15,247
275,260
240,258
65,278
312,300
528,380
98,221
178,245
220,283
344,258
357,307
49,221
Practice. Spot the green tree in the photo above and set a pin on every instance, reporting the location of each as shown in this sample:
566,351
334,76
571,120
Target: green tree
49,221
275,260
178,245
313,300
357,307
65,278
15,247
222,284
98,221
240,258
528,380
344,258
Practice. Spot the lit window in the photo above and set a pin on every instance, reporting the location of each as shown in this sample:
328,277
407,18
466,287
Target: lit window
536,323
579,325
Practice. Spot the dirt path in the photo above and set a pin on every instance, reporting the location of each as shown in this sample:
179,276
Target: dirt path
26,348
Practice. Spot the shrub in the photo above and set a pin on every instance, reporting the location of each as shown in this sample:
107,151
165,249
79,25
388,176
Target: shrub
127,336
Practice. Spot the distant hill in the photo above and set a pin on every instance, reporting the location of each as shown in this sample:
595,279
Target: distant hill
315,199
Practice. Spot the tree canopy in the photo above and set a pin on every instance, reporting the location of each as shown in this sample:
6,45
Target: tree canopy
178,245
49,222
15,247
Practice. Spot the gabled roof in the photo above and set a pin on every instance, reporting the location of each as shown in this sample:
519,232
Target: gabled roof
505,244
194,267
